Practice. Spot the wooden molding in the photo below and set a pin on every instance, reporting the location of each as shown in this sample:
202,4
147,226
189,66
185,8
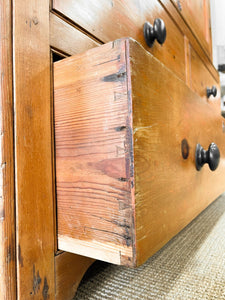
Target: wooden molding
7,200
33,151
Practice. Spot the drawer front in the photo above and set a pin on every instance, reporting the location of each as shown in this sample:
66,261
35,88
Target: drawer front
197,15
126,137
169,120
201,78
110,20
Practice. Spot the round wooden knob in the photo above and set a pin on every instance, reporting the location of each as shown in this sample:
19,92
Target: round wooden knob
210,156
212,91
155,32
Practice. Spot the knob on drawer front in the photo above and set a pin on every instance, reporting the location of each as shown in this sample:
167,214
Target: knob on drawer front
210,156
212,91
157,31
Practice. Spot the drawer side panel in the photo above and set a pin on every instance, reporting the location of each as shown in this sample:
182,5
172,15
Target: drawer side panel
92,136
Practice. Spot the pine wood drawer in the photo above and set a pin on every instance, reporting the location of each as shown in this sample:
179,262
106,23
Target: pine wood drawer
111,20
126,181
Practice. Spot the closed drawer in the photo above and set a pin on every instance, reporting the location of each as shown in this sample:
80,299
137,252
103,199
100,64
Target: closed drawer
197,15
201,78
126,130
110,20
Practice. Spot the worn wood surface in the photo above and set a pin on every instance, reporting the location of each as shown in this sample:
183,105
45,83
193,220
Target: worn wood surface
7,203
95,140
33,151
110,20
93,154
33,137
69,269
169,191
197,16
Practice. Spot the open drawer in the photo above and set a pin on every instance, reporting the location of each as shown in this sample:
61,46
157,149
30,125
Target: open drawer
126,131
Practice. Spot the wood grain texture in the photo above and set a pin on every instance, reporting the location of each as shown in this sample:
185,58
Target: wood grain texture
169,191
187,48
66,38
194,41
91,139
200,77
110,20
7,201
33,151
197,16
69,269
100,136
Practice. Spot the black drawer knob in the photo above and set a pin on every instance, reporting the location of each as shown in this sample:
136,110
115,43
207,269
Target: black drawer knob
157,31
212,91
210,156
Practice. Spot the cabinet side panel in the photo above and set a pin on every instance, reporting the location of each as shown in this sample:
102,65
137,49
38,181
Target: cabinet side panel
92,137
169,190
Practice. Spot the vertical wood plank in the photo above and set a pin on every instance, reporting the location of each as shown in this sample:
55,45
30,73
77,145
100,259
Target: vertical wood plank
7,212
33,150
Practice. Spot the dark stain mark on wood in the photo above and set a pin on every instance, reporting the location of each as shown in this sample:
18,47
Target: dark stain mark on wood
184,149
124,237
36,281
29,111
123,179
128,240
9,254
45,289
35,20
108,61
20,256
120,128
115,77
123,225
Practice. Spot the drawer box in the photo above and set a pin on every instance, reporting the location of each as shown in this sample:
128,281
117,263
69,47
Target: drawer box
126,130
